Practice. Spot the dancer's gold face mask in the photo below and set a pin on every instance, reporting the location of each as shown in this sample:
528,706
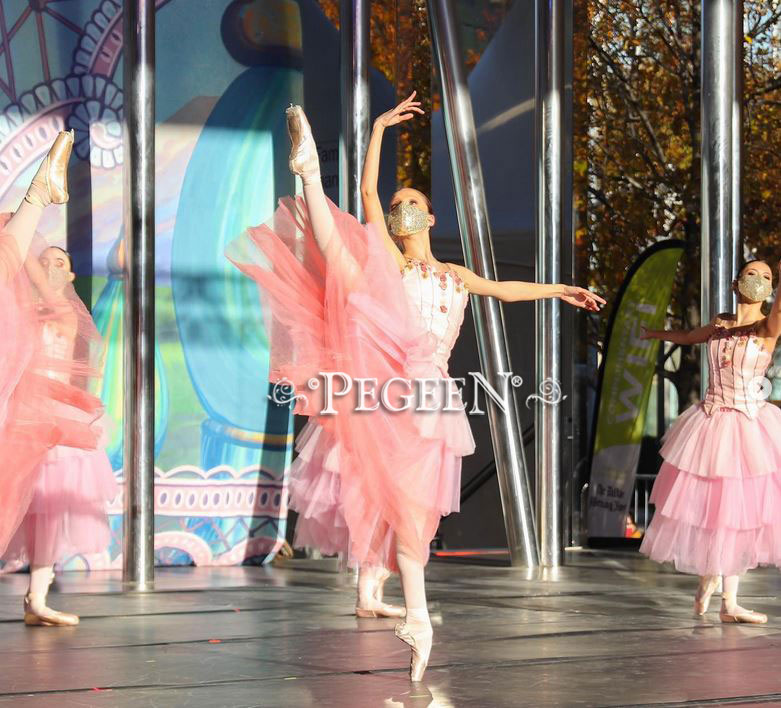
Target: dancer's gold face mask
406,219
56,267
754,287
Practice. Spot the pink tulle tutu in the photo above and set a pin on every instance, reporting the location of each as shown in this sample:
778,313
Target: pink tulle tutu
362,480
718,493
67,514
43,401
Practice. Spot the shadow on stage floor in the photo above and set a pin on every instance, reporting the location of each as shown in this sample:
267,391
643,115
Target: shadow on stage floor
607,629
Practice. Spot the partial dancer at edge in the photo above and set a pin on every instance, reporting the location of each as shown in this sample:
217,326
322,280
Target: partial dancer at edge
344,298
49,422
718,493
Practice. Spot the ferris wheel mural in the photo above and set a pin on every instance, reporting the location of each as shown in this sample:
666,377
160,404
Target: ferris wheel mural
84,96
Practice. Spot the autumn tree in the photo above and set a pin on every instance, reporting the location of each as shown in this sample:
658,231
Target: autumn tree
401,50
637,144
762,130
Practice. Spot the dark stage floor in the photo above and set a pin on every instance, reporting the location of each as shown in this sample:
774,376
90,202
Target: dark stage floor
604,630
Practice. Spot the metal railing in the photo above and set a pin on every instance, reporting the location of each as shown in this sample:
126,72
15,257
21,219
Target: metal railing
642,512
640,508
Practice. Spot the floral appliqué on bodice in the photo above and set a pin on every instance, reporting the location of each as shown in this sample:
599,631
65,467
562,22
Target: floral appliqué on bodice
441,297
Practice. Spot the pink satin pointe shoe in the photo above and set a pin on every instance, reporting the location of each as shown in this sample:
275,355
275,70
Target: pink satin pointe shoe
37,614
50,184
304,160
742,616
376,607
420,639
704,593
380,609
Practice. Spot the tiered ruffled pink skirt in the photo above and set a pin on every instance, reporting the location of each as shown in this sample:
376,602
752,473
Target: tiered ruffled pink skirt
363,481
718,493
67,514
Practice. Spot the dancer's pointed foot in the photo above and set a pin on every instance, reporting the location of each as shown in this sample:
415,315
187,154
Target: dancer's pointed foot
379,609
740,615
419,635
708,585
50,184
370,592
304,160
37,614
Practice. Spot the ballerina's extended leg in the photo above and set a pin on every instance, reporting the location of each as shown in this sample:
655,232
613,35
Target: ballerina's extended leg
305,163
49,186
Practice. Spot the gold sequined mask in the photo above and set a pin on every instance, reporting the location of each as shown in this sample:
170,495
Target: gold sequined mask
405,219
754,287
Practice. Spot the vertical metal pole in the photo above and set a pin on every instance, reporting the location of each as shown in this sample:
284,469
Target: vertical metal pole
722,41
570,317
478,253
549,99
139,224
661,397
737,137
354,68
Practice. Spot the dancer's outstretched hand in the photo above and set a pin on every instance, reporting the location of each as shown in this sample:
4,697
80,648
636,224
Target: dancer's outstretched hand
404,111
580,297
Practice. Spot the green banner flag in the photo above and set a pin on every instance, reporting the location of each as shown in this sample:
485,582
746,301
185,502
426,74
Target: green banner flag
625,379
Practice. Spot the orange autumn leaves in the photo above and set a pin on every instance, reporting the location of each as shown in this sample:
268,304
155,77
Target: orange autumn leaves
401,50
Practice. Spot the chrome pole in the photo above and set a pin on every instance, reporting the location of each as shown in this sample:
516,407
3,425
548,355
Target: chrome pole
721,78
737,138
478,254
139,225
549,100
354,68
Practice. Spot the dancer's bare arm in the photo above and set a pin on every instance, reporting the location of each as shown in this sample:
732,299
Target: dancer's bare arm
519,291
698,335
371,170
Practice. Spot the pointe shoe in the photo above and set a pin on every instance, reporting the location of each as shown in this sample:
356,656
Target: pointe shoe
420,640
304,160
703,595
37,614
741,616
374,607
380,609
50,184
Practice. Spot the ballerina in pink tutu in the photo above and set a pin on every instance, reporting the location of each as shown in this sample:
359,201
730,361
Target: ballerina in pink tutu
53,472
718,493
370,484
67,514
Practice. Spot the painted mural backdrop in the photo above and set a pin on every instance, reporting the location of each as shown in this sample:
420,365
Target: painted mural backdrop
221,447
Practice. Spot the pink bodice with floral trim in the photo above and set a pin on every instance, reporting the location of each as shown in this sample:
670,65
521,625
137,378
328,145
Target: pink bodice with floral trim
441,297
737,362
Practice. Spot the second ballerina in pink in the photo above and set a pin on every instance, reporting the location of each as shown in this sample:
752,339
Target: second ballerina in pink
718,493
